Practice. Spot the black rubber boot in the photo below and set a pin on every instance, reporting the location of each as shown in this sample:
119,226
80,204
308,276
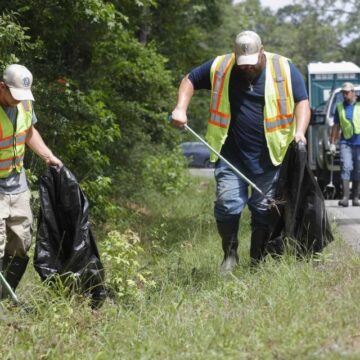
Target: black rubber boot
275,246
346,194
14,269
356,191
259,239
228,232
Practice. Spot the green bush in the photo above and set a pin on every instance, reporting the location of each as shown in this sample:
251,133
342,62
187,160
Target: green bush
126,278
166,173
102,206
14,41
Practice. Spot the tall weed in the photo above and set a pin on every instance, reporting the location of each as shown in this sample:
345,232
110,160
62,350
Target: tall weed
166,173
121,253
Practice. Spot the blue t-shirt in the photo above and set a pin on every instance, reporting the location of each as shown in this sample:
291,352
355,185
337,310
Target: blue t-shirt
246,144
349,111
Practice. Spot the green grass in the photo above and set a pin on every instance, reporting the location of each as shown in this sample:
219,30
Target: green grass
286,309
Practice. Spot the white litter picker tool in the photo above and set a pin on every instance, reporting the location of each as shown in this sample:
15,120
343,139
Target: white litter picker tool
9,289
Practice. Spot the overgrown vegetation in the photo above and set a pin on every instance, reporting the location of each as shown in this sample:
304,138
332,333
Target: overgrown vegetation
106,74
169,300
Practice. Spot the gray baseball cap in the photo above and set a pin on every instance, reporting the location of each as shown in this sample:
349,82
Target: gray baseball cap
347,86
247,48
19,79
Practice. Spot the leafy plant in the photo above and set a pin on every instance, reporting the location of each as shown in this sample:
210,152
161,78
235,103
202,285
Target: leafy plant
121,254
166,173
13,40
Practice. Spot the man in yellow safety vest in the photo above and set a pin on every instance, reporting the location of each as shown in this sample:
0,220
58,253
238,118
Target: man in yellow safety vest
347,119
258,106
17,119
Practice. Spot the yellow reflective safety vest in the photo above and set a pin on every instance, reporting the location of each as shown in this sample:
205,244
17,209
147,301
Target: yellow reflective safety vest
279,122
349,128
12,141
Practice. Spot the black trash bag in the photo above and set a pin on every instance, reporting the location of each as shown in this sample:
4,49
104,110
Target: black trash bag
65,245
303,216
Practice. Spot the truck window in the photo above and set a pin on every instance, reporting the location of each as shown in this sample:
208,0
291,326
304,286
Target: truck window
338,98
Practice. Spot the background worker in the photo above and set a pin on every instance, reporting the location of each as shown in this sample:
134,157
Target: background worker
17,119
255,98
347,119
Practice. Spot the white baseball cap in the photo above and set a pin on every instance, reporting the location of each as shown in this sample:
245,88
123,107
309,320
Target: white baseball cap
347,86
19,79
247,48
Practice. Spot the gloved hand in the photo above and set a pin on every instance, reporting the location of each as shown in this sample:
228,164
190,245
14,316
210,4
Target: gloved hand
332,149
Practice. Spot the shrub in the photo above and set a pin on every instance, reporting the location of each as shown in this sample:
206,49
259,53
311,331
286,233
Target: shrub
126,278
166,173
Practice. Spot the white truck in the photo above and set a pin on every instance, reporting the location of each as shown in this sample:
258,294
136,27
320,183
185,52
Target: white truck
324,86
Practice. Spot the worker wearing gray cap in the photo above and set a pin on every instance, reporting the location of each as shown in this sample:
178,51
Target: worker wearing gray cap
17,119
347,119
258,106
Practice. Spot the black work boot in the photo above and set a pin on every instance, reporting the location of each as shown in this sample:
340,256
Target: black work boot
275,246
14,269
346,194
259,239
228,232
356,191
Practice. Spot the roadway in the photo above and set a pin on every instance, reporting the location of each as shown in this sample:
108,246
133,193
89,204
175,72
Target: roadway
201,172
347,222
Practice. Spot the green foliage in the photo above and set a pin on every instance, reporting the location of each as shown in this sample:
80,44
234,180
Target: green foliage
295,32
99,191
166,173
121,254
139,90
81,134
13,40
299,32
180,29
78,24
188,22
352,52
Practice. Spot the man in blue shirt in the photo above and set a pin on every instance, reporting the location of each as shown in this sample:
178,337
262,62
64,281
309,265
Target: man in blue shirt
347,119
247,142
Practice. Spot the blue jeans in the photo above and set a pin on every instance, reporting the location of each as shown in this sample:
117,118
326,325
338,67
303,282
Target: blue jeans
232,194
350,162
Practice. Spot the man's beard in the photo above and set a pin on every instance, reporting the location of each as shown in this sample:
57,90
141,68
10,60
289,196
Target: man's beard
251,75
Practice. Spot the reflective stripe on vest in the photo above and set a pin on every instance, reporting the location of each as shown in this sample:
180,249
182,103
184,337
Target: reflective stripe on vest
219,110
12,143
279,124
349,128
8,142
280,115
6,164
